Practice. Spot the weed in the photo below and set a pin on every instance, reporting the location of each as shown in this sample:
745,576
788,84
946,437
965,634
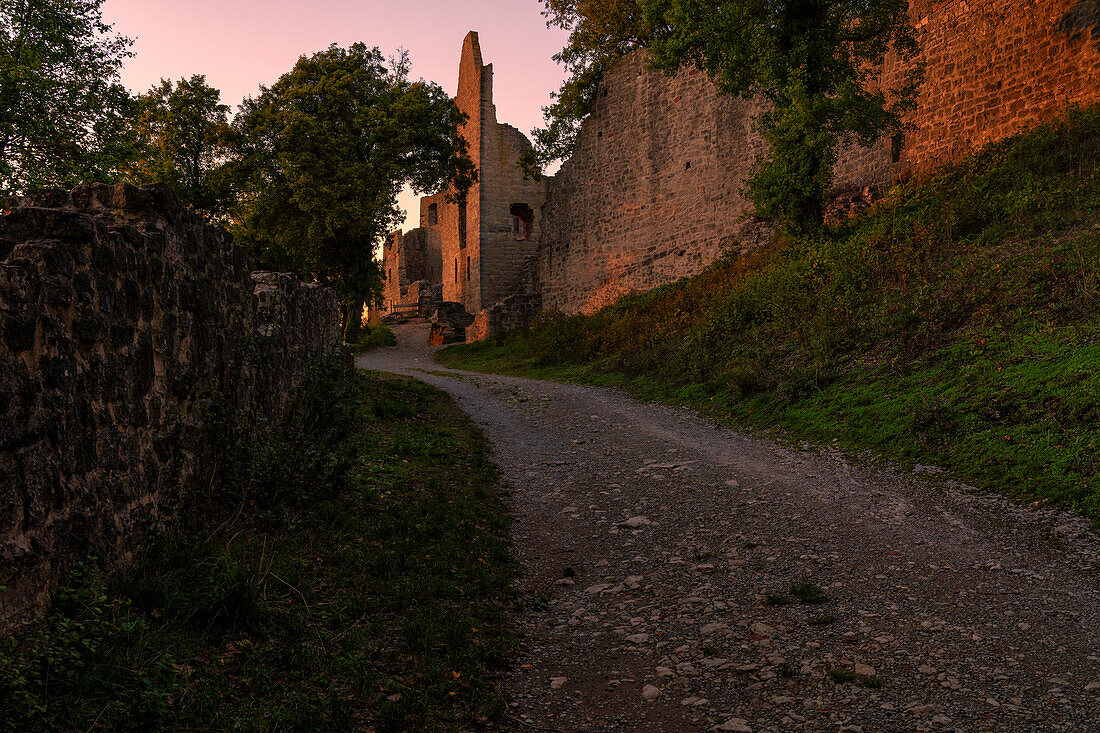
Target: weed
844,676
823,620
809,594
374,336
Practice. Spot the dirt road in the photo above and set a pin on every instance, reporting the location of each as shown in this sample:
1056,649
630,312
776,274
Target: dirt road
659,552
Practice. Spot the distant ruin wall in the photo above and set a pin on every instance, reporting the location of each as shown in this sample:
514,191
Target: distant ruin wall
653,191
121,313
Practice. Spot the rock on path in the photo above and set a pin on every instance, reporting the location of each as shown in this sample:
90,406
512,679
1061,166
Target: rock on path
945,610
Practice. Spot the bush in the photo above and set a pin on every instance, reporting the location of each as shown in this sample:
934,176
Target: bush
84,667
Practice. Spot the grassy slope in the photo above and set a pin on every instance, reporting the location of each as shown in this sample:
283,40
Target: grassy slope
379,605
957,324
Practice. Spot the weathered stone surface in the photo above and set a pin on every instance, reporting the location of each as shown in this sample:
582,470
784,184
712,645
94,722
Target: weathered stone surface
427,297
515,311
408,259
452,313
120,312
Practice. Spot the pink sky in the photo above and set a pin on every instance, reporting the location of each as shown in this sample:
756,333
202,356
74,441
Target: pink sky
240,44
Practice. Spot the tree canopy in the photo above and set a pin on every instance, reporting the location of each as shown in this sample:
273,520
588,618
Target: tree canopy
181,134
815,61
62,108
321,155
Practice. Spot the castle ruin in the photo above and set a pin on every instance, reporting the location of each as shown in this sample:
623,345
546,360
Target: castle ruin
653,191
479,247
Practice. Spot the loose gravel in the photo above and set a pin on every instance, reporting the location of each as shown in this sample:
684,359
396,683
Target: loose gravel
678,575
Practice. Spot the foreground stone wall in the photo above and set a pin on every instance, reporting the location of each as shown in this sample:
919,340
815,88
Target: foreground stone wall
121,312
653,191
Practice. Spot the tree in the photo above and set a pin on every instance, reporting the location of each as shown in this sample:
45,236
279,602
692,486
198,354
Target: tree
182,133
815,61
321,155
62,109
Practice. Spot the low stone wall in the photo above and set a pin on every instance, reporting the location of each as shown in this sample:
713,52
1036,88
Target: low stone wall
121,315
515,311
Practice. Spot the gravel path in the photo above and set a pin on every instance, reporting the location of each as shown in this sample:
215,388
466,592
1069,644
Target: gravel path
650,538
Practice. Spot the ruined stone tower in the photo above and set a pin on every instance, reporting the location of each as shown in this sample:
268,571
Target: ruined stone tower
487,242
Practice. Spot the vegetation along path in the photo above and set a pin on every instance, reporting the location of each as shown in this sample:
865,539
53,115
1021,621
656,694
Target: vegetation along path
682,576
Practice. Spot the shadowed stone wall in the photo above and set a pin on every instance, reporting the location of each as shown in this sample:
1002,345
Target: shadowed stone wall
121,316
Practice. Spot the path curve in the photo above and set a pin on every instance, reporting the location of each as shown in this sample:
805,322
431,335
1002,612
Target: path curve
649,537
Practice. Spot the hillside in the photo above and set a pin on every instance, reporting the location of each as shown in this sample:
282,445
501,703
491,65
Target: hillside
955,324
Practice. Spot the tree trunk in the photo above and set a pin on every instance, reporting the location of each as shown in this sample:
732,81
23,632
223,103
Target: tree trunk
353,320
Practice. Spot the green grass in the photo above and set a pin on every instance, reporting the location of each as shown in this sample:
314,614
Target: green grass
955,324
375,599
373,336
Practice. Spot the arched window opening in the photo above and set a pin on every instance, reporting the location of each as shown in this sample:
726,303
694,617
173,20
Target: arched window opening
433,214
456,271
523,221
467,269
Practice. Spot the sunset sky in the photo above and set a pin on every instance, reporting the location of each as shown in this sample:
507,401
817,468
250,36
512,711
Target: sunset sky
240,44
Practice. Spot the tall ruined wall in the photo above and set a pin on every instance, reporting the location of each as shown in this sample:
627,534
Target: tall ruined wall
407,258
460,222
120,312
481,254
652,191
501,249
393,287
626,213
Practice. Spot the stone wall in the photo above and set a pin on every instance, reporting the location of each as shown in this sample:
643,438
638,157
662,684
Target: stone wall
120,313
653,191
480,249
408,258
515,311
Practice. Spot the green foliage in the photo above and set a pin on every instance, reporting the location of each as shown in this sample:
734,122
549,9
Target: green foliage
87,666
955,324
181,133
321,155
62,108
301,455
